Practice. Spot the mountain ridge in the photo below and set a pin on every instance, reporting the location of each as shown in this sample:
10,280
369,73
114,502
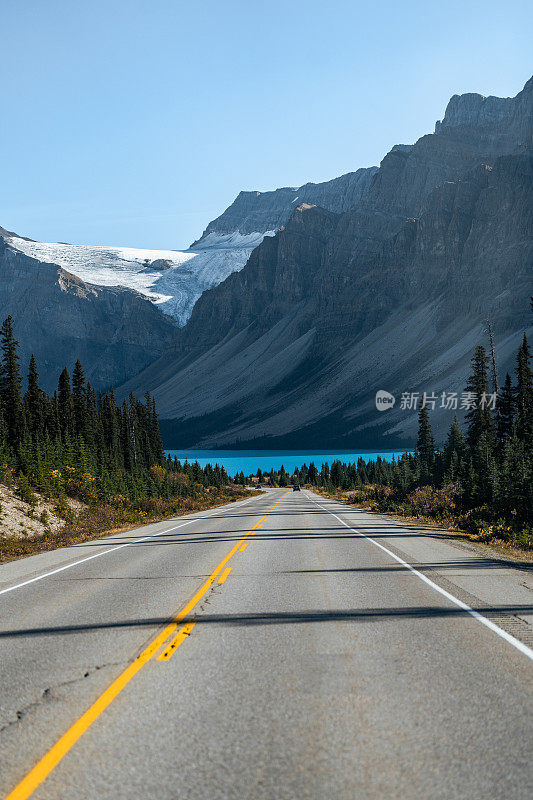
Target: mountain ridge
301,336
174,280
266,211
59,318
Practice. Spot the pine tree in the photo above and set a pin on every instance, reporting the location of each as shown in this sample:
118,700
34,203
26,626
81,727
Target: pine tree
506,411
10,386
132,433
479,417
3,438
524,395
336,474
454,452
155,434
65,410
92,427
79,399
34,402
111,428
425,445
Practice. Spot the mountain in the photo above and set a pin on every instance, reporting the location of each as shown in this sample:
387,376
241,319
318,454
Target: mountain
391,294
173,279
114,331
106,266
265,212
117,308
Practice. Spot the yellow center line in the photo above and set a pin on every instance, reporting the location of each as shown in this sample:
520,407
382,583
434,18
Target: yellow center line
176,641
243,548
48,762
224,575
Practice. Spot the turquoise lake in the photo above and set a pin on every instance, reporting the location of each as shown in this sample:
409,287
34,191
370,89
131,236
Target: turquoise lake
249,461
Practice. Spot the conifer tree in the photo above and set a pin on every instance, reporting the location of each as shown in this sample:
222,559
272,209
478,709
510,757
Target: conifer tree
10,385
454,451
336,474
34,402
3,438
157,443
506,411
479,417
111,427
425,444
79,399
524,395
65,409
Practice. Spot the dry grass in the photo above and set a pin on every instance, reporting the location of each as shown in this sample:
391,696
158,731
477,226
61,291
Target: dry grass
91,522
492,538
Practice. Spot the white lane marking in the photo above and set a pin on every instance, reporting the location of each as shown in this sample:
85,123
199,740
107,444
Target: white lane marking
114,549
527,651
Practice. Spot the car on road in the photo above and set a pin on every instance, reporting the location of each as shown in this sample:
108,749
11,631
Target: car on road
295,488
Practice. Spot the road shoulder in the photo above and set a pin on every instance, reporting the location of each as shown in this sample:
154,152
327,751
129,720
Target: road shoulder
499,588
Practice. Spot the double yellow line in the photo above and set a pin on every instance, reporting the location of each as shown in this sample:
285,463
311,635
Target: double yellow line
52,758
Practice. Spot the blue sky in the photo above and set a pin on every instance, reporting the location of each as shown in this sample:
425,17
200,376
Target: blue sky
135,123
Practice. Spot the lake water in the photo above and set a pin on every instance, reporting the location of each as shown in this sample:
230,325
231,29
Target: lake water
249,461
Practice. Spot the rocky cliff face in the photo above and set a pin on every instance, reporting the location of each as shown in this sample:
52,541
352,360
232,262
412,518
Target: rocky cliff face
115,332
174,279
504,117
393,295
259,212
92,303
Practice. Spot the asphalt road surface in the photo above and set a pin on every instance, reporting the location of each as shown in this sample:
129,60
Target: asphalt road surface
284,647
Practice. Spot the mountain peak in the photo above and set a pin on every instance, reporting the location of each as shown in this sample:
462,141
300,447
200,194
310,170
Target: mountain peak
476,109
255,212
473,109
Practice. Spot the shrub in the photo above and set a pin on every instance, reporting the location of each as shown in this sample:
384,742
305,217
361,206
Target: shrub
157,473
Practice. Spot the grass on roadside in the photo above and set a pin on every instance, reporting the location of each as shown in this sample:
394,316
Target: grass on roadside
95,521
438,508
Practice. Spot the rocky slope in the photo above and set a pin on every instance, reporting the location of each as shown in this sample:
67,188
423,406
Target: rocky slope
115,332
20,519
393,294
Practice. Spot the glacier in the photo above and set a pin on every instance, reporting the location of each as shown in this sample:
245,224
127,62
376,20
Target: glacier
172,279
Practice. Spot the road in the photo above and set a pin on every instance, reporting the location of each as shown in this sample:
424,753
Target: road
284,647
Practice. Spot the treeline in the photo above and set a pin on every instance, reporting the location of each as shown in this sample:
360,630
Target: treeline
482,476
79,442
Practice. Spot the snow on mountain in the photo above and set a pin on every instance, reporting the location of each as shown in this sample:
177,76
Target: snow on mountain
219,256
107,266
172,279
233,240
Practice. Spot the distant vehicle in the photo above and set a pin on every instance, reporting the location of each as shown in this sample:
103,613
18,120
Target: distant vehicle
295,488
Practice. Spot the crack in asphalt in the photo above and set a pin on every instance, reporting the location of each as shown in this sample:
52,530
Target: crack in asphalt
47,695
